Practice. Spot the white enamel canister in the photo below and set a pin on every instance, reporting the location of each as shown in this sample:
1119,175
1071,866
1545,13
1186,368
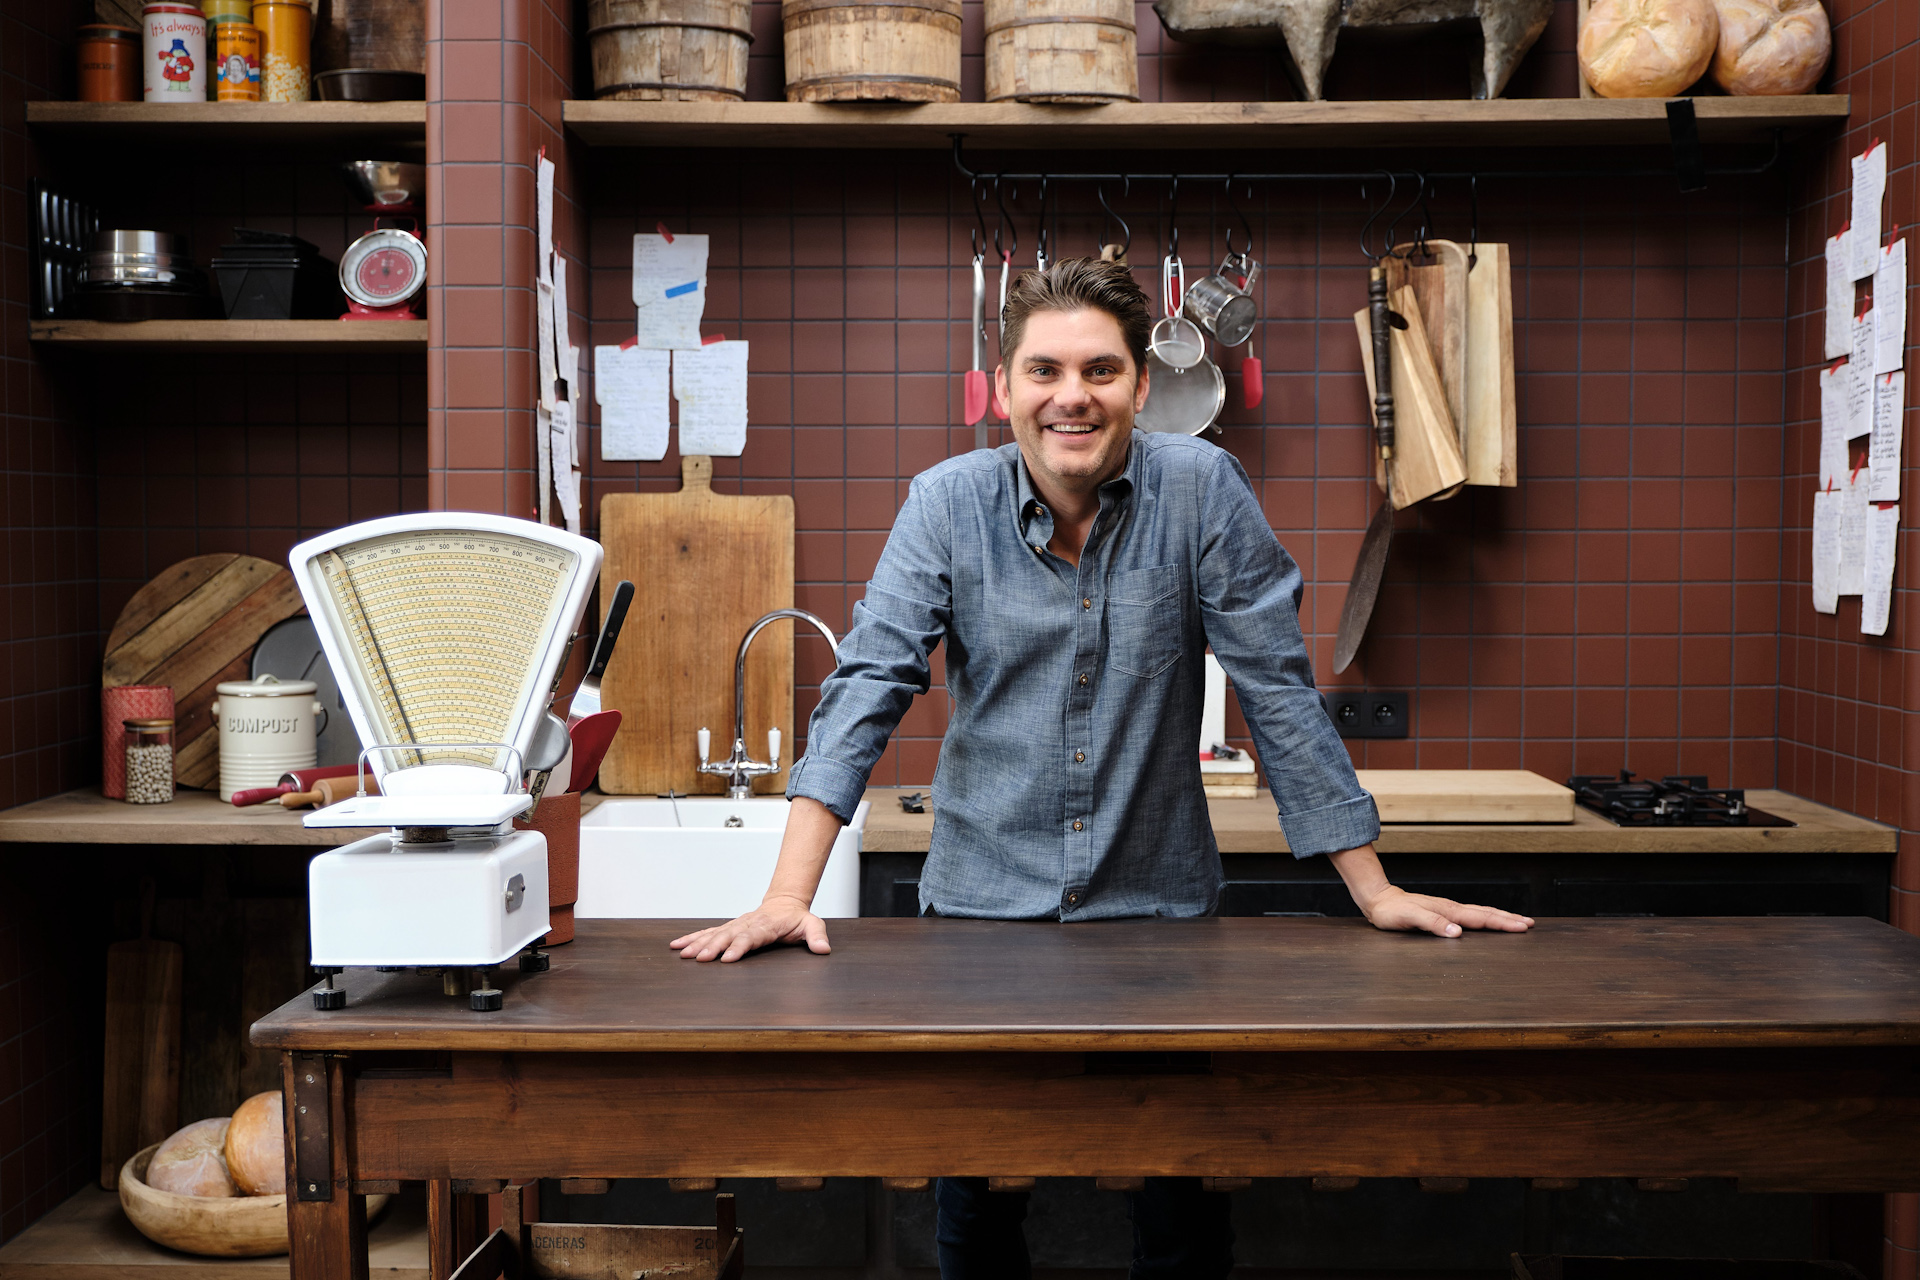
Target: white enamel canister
268,727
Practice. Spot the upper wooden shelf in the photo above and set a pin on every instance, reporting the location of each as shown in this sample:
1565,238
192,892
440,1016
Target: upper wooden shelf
369,336
1501,122
258,122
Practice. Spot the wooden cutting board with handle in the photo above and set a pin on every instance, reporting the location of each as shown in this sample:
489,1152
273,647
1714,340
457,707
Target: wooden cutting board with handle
1426,455
705,566
140,1100
1488,435
192,627
1439,280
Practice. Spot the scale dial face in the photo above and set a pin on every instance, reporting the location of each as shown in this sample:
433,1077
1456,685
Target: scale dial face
384,268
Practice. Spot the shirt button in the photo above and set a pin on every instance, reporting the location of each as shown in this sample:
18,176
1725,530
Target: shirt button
1079,757
1083,677
1036,548
1078,825
1073,899
1086,602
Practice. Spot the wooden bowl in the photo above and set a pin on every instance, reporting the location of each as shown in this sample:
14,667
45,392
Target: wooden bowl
214,1226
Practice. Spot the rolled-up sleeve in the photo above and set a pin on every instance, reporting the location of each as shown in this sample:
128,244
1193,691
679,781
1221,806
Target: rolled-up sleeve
883,660
1250,607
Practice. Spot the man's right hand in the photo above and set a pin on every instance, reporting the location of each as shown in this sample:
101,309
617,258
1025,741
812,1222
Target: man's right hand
778,919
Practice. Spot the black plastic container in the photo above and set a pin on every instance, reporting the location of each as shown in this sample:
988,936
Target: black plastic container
270,275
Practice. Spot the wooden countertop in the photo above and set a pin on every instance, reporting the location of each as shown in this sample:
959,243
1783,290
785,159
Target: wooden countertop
1251,826
921,984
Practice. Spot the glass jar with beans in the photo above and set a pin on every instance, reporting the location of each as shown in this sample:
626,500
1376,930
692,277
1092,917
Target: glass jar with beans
149,761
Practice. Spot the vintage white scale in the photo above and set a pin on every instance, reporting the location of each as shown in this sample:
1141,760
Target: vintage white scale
447,632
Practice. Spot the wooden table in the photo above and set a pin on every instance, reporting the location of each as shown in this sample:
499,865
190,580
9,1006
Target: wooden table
1781,1052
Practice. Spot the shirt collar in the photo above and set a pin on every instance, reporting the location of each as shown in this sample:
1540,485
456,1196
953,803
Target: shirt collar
1036,521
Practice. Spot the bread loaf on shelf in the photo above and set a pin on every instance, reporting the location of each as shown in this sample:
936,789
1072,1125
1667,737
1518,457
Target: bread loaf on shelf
1770,47
257,1146
1647,48
191,1163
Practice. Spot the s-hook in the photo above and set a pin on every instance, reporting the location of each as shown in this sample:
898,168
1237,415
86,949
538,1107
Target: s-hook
1126,231
1373,215
1040,243
978,238
1244,224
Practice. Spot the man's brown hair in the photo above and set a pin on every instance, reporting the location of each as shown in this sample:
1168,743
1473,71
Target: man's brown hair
1078,284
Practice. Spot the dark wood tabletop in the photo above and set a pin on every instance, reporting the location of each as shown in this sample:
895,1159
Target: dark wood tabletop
1212,984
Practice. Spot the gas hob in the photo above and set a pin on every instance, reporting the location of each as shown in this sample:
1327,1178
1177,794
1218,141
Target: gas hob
1683,800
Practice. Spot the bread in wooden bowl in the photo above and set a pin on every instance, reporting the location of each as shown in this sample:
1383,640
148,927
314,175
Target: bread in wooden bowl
191,1162
1771,47
256,1146
1647,48
213,1226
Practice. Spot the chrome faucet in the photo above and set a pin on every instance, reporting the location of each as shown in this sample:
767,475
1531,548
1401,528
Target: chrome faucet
740,770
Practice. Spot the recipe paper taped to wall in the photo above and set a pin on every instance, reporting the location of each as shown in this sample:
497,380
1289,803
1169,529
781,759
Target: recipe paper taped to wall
669,290
632,387
710,385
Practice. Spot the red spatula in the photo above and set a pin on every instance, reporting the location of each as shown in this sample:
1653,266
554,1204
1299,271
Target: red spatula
973,403
1253,387
592,735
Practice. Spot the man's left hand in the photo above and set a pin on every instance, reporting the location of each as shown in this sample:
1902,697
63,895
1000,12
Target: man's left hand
1394,908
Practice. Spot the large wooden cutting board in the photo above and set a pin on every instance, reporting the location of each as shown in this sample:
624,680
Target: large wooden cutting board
1488,434
704,566
1466,795
192,627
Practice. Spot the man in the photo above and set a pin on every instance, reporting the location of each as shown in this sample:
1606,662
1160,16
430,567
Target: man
1077,579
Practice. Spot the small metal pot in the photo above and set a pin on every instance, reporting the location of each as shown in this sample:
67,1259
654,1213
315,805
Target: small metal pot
1222,308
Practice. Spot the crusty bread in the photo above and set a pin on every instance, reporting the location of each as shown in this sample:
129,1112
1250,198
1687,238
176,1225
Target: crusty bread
1647,48
190,1163
257,1146
1771,46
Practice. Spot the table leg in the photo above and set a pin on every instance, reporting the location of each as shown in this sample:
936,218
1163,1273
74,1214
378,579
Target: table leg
326,1222
456,1224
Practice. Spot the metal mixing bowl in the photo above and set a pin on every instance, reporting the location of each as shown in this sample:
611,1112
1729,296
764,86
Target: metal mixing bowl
387,182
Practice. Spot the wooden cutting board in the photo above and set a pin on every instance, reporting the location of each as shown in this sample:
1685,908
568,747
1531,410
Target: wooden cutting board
140,1097
1438,278
1488,436
705,567
1426,453
1466,795
192,627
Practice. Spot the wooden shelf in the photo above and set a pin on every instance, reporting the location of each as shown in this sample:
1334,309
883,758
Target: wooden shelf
367,336
1502,122
267,123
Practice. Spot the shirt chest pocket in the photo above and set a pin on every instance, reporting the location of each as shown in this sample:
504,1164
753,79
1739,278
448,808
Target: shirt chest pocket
1143,620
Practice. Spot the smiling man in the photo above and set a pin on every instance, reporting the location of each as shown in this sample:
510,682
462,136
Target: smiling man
1077,577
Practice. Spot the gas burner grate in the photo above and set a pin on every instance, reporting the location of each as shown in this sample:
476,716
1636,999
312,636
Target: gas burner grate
1678,800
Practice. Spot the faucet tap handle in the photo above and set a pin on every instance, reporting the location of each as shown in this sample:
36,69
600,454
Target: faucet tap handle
706,744
773,751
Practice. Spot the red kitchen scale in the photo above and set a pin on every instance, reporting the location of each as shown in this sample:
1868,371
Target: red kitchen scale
382,272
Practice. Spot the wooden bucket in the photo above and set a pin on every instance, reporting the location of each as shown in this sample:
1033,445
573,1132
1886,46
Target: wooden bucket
670,50
872,50
1067,51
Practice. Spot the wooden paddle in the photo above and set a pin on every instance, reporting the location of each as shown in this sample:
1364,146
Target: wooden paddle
140,1098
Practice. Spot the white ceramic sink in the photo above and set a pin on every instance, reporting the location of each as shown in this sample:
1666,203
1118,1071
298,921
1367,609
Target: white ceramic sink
644,858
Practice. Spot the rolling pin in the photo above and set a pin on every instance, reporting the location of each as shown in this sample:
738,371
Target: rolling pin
302,787
326,791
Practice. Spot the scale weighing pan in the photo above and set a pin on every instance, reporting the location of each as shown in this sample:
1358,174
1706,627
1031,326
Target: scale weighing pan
446,631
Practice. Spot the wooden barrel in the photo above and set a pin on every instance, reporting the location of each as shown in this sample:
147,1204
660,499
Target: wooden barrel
670,50
872,50
1072,51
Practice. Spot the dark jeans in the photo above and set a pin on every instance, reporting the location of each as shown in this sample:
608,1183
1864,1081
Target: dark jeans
1179,1231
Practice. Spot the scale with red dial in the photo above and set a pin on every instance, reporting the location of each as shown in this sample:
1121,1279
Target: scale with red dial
381,273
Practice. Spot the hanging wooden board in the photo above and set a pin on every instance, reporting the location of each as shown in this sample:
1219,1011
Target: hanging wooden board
705,567
192,627
1426,453
1438,278
1488,435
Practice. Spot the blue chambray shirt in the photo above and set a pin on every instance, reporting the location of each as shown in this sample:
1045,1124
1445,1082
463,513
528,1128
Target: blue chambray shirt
1069,782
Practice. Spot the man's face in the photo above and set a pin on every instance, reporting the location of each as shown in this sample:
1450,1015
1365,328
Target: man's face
1072,390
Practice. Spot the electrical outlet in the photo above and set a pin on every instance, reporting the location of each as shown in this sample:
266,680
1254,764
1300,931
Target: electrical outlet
1366,714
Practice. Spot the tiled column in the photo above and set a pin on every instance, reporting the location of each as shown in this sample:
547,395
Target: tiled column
497,71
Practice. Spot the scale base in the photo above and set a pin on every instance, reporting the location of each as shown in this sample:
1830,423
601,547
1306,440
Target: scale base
398,311
463,903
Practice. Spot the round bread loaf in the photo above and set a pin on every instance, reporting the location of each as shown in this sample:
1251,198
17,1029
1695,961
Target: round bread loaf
257,1147
1647,48
191,1163
1771,46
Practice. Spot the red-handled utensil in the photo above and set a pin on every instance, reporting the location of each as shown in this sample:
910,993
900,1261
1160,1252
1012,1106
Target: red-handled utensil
260,795
1253,387
592,735
973,399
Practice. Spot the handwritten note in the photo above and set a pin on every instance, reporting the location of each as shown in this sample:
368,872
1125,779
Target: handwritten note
543,457
562,328
1839,337
566,469
1835,382
1883,541
1860,376
1883,449
632,387
543,216
1890,308
669,289
1853,535
710,384
543,331
1869,186
1826,550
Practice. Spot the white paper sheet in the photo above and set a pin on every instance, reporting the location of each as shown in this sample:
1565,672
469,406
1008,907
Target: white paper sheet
1826,550
566,473
1883,450
669,289
632,387
1860,376
1883,543
1853,535
543,217
1890,308
1834,384
543,460
710,384
1839,336
562,326
1869,185
543,331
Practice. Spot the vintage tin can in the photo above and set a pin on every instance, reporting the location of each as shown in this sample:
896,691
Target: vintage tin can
109,63
236,66
286,49
174,53
268,727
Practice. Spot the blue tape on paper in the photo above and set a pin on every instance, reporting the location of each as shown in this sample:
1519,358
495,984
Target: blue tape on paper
680,289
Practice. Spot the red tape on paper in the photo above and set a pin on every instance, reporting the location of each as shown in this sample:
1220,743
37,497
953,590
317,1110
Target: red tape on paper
665,234
712,338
